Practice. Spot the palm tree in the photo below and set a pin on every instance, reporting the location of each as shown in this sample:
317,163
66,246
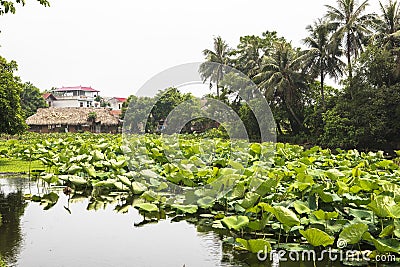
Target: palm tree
324,54
249,54
388,23
282,80
352,27
219,55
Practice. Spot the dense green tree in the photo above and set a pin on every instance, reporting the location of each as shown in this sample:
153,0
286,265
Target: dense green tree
12,116
283,82
133,110
9,6
220,55
324,54
388,31
388,22
250,51
154,110
370,120
352,26
31,99
377,66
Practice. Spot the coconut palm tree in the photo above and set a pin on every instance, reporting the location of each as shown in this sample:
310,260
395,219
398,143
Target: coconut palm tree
388,23
352,27
282,80
324,53
219,55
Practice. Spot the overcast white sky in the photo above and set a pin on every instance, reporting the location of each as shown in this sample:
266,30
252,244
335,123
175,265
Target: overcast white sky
116,46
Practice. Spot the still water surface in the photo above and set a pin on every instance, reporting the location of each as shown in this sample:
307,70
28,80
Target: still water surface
31,236
68,234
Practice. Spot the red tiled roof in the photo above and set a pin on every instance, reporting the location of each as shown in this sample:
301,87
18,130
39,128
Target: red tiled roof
76,88
121,99
47,95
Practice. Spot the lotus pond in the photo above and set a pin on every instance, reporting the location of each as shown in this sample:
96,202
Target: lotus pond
153,200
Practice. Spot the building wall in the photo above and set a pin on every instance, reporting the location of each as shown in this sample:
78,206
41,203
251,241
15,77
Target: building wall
72,103
66,103
115,104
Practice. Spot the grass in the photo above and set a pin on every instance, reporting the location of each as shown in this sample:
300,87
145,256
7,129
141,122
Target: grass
18,166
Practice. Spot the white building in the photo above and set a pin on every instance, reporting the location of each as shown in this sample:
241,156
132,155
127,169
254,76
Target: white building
77,96
116,102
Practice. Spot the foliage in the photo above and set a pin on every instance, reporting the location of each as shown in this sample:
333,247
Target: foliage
352,27
2,263
31,99
157,110
12,121
311,193
283,82
220,55
346,117
324,54
9,6
19,166
92,116
370,119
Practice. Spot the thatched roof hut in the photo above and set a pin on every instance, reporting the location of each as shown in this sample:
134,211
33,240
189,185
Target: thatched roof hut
71,116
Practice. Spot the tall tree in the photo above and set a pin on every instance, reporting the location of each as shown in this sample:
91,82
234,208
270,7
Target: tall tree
12,119
220,55
324,54
388,22
31,99
283,81
9,6
389,32
352,27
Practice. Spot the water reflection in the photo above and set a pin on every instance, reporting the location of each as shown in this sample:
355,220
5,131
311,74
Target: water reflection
12,207
97,229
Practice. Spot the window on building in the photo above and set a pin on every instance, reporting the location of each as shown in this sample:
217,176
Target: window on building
81,104
119,106
88,104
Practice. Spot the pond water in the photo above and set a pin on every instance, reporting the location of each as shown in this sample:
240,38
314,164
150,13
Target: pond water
68,234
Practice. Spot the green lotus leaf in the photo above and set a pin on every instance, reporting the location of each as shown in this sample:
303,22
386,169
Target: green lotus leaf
383,245
149,207
77,180
206,202
334,174
387,231
353,233
324,215
317,237
138,188
255,245
149,174
249,200
185,208
125,180
301,207
381,204
235,222
286,216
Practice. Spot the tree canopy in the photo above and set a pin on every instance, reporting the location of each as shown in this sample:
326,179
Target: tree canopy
12,121
10,6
